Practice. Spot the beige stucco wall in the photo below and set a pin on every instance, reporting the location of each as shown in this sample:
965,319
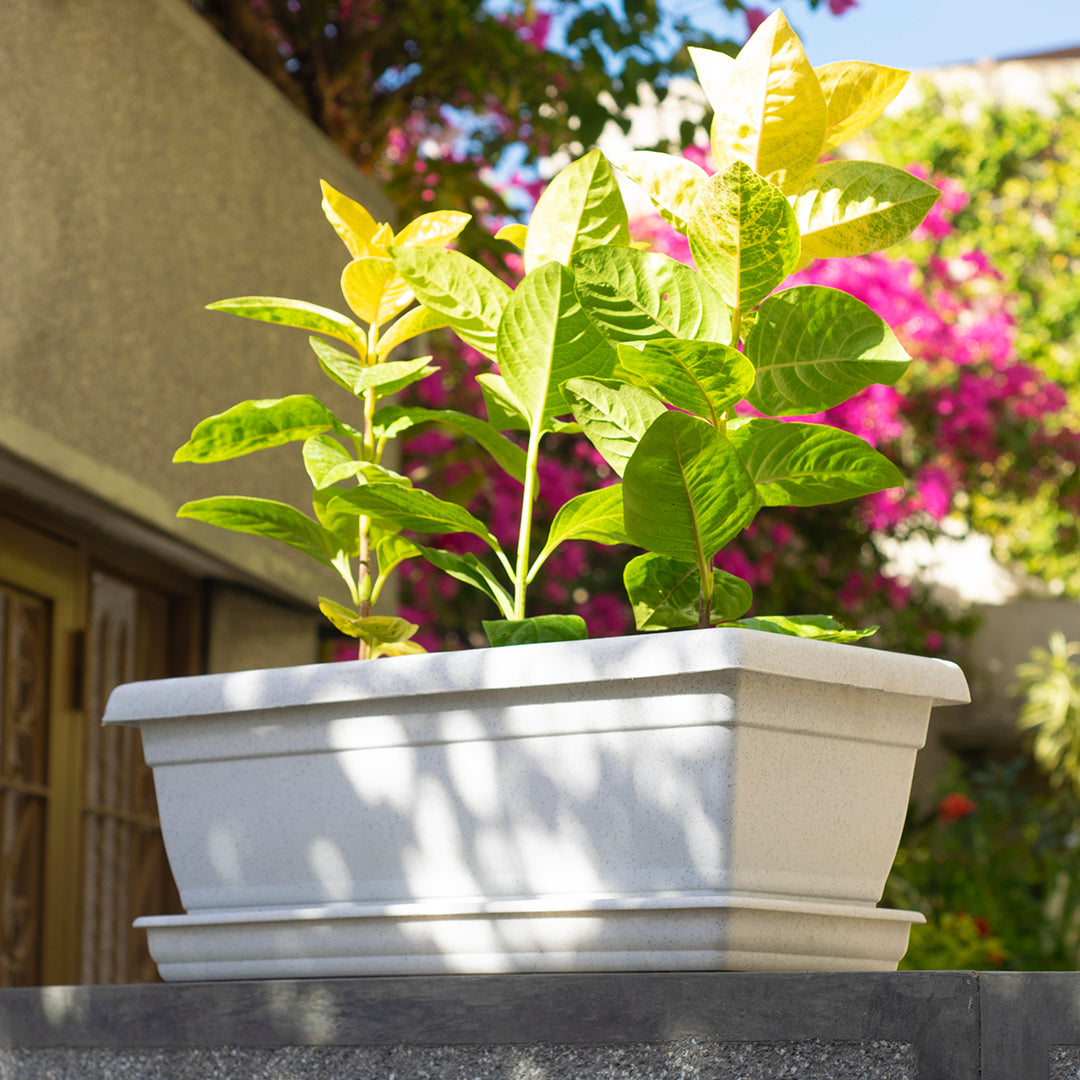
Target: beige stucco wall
147,170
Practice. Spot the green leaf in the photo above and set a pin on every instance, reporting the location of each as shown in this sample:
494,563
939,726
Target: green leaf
594,515
505,412
814,347
666,593
327,463
395,420
472,571
671,182
341,520
743,236
581,207
613,415
819,627
265,517
298,313
388,378
374,289
538,628
385,635
546,338
323,456
458,289
420,320
698,377
685,490
769,109
409,508
641,296
257,425
810,464
856,94
392,549
855,207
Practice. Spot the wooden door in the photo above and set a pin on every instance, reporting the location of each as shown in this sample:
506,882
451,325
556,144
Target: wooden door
40,731
81,854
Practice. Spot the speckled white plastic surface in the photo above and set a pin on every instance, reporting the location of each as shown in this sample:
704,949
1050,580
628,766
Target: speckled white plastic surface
635,769
673,933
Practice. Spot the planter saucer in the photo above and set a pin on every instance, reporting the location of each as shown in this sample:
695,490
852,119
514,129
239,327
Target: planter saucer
600,933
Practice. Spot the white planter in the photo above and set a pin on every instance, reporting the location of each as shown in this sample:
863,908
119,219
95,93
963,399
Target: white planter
700,800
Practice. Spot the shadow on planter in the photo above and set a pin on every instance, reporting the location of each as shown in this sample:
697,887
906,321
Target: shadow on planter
722,799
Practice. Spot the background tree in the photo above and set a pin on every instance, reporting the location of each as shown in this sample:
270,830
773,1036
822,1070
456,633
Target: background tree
427,97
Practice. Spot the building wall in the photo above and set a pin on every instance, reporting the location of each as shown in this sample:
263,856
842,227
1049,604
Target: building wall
149,170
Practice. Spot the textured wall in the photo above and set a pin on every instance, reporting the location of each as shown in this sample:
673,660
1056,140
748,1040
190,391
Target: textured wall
148,170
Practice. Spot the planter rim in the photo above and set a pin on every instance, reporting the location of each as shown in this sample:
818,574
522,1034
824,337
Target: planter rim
538,906
593,661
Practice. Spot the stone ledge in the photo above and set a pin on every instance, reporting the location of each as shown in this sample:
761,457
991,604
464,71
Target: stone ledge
945,1025
905,1026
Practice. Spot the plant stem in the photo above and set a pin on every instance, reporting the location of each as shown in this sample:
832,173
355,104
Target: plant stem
705,599
736,327
364,522
527,499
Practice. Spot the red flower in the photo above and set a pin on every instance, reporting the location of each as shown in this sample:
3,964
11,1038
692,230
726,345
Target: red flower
954,807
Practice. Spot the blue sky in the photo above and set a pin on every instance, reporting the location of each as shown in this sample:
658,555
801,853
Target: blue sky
925,33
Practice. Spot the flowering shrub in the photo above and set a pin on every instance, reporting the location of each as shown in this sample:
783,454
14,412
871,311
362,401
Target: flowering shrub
1023,220
995,868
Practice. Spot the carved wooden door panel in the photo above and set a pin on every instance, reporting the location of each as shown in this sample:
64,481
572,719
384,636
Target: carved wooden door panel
125,871
40,730
81,854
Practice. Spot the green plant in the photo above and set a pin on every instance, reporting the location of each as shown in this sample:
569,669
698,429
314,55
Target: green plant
1050,684
650,358
362,552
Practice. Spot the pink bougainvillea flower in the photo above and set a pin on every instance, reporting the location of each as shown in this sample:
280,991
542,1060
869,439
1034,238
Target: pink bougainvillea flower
754,18
838,7
954,807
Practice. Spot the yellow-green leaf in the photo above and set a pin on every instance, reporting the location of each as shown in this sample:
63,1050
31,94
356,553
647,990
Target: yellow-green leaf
298,313
383,238
374,289
385,635
351,221
671,182
265,517
467,295
420,320
514,233
743,236
258,425
715,71
580,208
856,207
856,94
769,110
436,229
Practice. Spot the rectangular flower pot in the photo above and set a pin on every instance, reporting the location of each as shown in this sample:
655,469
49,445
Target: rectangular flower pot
699,800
